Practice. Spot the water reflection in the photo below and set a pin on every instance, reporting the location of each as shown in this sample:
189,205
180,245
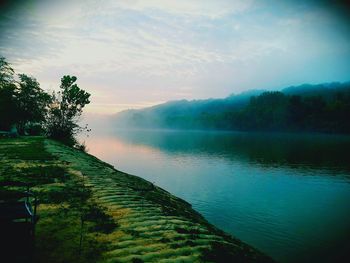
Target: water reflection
328,151
285,194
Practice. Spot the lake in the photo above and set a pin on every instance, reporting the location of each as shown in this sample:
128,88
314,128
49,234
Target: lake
285,194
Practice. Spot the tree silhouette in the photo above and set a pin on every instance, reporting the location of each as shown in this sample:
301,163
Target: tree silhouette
32,102
8,109
66,108
6,73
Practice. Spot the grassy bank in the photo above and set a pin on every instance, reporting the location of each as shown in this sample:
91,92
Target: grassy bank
90,212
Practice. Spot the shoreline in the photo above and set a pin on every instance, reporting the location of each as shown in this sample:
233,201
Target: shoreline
152,225
221,131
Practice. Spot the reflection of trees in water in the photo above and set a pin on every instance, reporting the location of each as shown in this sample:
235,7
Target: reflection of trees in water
311,150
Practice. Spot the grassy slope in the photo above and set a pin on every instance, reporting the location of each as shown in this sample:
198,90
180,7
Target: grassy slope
125,218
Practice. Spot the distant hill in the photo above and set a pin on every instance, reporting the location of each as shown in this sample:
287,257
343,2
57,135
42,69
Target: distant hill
326,90
319,107
154,116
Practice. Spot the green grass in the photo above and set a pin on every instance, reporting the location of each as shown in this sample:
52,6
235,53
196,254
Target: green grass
120,217
64,202
28,148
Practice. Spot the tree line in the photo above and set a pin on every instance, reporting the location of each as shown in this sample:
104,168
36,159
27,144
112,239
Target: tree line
25,108
279,112
307,108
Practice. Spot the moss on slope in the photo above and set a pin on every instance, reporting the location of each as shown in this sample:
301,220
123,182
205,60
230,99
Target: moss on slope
125,218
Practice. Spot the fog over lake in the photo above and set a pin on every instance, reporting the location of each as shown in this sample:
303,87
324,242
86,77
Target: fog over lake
286,194
235,106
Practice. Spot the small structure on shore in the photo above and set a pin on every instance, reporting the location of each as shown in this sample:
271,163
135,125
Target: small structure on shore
17,221
11,133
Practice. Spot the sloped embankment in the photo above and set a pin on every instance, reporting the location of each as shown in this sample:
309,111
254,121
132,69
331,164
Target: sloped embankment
72,225
153,225
90,212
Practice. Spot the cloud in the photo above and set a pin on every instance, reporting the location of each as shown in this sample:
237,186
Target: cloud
135,49
205,8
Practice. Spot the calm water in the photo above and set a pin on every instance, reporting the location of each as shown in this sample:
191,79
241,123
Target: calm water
287,195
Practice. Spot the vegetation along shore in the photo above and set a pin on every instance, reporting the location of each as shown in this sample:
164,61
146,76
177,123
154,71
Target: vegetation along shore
91,212
88,211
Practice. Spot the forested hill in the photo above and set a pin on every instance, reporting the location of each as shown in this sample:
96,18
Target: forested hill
321,108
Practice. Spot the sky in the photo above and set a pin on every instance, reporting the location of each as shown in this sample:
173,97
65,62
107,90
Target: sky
138,53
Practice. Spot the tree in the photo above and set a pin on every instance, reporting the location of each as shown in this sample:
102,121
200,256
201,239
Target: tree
8,109
6,73
32,102
296,112
65,110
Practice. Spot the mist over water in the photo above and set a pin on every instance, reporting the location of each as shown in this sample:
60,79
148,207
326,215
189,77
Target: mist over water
286,194
190,64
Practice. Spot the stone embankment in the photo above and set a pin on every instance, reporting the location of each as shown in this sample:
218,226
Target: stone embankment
151,225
